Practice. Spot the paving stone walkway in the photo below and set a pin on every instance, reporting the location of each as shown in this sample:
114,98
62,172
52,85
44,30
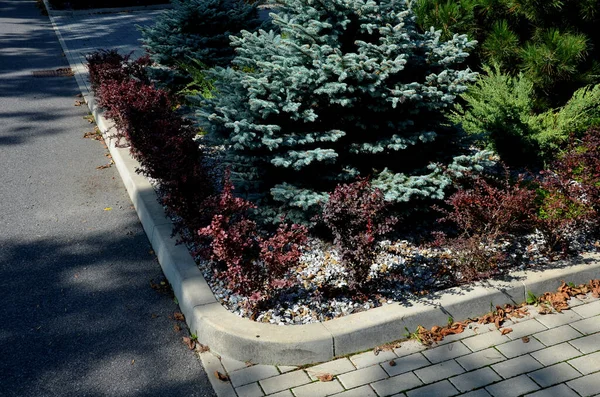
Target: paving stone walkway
551,355
544,355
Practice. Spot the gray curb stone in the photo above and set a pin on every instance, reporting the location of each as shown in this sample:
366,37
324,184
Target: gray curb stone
243,339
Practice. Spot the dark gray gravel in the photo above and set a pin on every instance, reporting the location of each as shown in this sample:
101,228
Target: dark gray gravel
77,314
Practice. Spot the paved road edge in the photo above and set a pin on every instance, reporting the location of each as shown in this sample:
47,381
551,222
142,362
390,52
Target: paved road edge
242,339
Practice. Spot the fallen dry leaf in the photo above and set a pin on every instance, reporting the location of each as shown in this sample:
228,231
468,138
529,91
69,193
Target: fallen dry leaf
221,377
200,348
392,363
525,339
191,344
177,316
505,331
325,377
177,328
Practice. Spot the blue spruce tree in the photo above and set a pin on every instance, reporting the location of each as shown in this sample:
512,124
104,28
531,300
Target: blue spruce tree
343,88
198,29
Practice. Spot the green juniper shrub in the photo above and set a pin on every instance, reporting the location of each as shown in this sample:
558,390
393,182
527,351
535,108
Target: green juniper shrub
356,214
343,89
498,111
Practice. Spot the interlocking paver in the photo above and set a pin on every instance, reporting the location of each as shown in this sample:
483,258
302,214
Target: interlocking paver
252,374
477,393
558,373
446,352
475,379
396,384
588,326
284,381
285,393
250,390
286,368
517,366
405,364
334,367
588,310
363,391
362,376
231,365
369,358
561,390
587,385
409,347
587,364
480,359
439,389
318,389
439,371
555,354
557,335
484,341
557,319
587,344
512,387
525,328
519,347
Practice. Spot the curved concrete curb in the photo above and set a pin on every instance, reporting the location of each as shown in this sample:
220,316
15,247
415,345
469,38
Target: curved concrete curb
243,339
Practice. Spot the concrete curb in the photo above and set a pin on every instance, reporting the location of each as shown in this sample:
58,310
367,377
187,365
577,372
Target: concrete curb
243,339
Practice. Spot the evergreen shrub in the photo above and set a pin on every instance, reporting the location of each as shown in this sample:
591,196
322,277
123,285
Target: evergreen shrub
342,89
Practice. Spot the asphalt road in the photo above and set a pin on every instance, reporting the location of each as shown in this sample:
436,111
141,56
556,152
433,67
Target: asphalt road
77,314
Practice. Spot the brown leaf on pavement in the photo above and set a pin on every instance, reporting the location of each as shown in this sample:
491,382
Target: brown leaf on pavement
505,331
525,339
325,377
191,344
200,348
392,363
221,377
177,316
177,327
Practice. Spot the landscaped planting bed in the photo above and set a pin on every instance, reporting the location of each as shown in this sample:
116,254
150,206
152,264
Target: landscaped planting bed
328,166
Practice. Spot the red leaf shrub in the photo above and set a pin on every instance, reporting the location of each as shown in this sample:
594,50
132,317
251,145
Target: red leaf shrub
491,208
110,65
251,263
356,214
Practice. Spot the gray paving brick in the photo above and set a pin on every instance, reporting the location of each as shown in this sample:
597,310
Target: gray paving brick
555,354
396,384
561,390
369,358
439,389
252,374
285,393
557,335
475,379
588,310
250,390
480,359
318,389
405,364
477,393
362,376
588,326
587,364
557,319
409,347
286,368
439,371
525,328
512,387
363,391
284,381
587,344
516,366
587,385
485,341
446,352
232,365
334,367
558,373
519,347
